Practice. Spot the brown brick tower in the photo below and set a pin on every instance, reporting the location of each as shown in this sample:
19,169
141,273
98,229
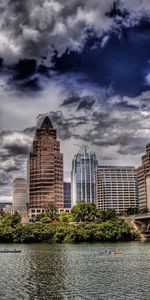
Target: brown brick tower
45,170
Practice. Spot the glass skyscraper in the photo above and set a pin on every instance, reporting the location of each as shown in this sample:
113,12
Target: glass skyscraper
84,166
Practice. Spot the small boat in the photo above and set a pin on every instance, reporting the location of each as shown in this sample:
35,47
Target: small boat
10,251
109,251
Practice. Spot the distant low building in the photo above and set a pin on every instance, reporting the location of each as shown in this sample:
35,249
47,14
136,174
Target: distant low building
4,204
116,188
19,194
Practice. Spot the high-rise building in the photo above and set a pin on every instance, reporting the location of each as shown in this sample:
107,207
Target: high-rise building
19,193
67,194
116,188
45,171
143,180
84,165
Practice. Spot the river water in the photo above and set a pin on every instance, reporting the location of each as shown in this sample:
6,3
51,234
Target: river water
75,272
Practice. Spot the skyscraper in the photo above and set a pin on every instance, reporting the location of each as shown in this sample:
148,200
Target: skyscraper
83,176
144,180
45,170
19,195
116,188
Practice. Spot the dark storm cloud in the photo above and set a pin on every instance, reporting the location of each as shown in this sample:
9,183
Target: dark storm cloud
14,148
107,41
35,30
4,178
86,104
26,75
80,103
125,130
30,29
122,128
30,130
14,143
71,100
103,126
122,64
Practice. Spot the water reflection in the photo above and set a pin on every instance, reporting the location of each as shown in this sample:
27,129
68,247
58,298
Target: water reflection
46,271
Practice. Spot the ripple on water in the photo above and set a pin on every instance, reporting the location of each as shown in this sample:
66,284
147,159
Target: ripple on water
75,272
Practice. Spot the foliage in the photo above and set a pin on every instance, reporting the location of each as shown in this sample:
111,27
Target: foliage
39,217
109,214
96,226
143,211
66,217
132,211
11,220
111,230
51,212
85,212
45,219
135,210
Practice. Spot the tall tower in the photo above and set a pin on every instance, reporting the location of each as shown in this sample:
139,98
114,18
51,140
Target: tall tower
45,171
84,166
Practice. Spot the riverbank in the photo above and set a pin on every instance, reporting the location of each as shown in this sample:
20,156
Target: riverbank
111,230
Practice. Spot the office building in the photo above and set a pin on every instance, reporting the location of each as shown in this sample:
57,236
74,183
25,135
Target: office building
19,195
144,180
84,165
45,171
116,188
67,194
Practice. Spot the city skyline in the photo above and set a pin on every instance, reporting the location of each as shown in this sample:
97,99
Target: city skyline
86,66
67,178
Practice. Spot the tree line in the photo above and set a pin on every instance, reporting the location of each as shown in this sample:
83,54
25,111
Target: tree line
85,223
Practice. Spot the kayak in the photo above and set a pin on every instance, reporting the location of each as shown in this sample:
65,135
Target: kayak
108,251
10,251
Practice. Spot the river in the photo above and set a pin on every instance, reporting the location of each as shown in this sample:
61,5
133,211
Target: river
75,272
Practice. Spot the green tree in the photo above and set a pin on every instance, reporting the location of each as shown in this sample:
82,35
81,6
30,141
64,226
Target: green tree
15,219
51,212
66,217
85,212
39,217
45,219
144,210
132,211
11,220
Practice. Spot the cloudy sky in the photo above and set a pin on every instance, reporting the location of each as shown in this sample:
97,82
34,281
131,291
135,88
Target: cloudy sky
84,63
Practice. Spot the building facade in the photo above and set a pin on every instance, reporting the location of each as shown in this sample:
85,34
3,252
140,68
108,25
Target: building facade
84,165
143,180
19,195
67,195
45,171
116,188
